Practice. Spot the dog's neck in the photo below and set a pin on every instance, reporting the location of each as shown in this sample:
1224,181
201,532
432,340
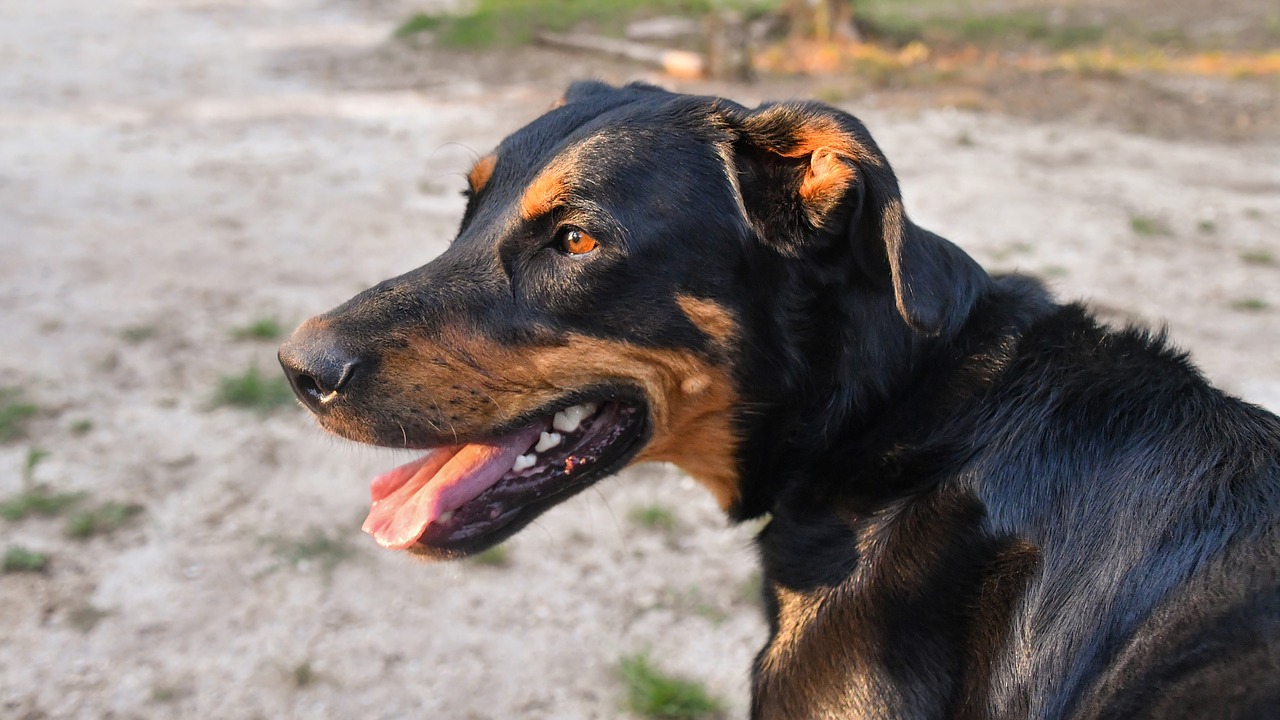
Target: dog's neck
851,376
836,493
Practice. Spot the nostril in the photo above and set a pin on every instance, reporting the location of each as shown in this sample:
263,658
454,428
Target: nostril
318,371
325,378
309,388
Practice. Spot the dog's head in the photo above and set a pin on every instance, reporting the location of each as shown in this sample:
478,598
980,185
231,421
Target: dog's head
608,300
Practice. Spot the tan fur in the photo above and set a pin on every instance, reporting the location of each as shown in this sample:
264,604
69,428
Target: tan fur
545,192
829,148
709,317
481,172
825,182
468,385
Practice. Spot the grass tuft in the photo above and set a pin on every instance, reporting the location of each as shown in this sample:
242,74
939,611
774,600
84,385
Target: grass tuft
264,328
491,23
1147,226
418,23
253,391
497,556
1258,257
689,600
751,590
102,520
19,559
135,334
949,25
86,617
654,694
315,547
654,517
1250,304
303,675
39,500
14,414
35,456
168,693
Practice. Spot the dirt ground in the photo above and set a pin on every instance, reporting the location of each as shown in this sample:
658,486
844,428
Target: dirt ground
173,169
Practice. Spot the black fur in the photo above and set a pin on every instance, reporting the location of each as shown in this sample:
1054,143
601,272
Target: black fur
982,503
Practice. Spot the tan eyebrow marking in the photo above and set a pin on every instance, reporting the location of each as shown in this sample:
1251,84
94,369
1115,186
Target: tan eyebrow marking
546,190
481,172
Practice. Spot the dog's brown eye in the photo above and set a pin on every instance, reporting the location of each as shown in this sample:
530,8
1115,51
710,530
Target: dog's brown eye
575,242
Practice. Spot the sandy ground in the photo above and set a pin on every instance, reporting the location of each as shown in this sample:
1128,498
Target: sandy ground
167,173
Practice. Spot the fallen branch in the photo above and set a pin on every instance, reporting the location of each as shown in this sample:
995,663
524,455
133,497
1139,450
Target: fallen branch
680,63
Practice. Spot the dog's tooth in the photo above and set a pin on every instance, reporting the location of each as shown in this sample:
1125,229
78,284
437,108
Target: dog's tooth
444,516
569,419
524,462
547,441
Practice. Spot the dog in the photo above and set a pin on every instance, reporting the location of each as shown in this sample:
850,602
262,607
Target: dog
981,503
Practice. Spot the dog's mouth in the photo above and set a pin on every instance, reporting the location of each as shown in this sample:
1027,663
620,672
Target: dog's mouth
459,499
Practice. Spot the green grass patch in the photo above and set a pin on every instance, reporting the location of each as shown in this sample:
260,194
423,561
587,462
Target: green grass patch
135,334
1147,226
1250,304
86,617
689,600
515,22
654,517
497,556
955,24
751,590
102,520
81,427
19,559
654,694
35,456
1258,257
303,675
313,548
418,23
39,500
264,328
14,414
253,391
164,694
1022,26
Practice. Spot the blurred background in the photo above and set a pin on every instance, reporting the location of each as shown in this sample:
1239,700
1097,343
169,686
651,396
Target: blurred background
183,181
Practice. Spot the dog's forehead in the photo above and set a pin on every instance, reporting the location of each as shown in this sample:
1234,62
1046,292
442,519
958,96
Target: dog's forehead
622,119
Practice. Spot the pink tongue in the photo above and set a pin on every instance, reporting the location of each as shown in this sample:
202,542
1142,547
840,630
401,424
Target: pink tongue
414,495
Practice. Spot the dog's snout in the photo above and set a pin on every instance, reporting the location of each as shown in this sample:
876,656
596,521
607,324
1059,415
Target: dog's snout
317,366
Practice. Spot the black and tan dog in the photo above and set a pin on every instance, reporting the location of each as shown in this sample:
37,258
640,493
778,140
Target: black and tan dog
983,503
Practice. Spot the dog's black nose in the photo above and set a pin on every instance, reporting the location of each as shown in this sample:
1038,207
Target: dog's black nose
317,366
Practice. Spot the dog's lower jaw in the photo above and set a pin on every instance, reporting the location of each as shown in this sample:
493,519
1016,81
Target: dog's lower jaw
448,505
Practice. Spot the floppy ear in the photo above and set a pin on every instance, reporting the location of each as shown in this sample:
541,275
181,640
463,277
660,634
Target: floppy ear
810,175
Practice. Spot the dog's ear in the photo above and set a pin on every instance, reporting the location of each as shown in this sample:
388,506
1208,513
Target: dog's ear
810,175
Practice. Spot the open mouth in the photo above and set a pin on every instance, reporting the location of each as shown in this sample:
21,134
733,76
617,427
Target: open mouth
461,498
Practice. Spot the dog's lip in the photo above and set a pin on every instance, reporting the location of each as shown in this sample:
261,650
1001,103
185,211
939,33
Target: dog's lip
467,491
